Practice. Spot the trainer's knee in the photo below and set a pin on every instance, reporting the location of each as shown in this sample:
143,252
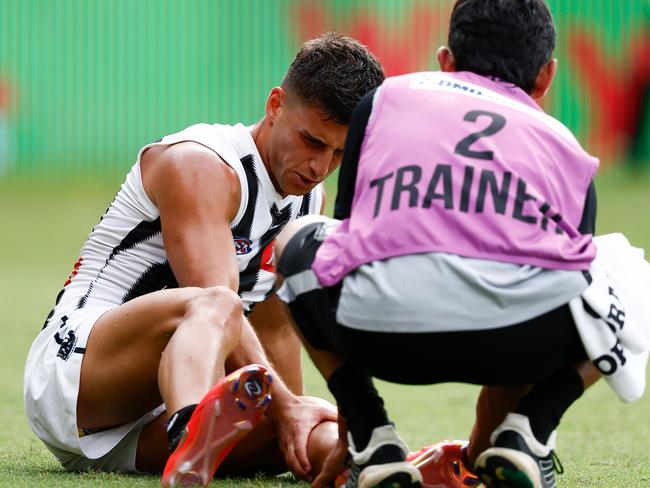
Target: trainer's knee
291,229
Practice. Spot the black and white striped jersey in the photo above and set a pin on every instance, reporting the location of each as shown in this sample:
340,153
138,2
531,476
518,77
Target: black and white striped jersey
124,256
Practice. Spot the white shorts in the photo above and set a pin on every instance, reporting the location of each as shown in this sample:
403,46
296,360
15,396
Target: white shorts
51,387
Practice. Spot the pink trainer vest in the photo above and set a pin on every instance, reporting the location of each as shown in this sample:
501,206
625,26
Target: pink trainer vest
462,164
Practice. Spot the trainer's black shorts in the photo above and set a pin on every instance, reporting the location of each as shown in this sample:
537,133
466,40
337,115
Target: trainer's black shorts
518,353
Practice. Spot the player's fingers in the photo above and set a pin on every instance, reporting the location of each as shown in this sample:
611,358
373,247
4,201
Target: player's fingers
301,450
293,462
330,407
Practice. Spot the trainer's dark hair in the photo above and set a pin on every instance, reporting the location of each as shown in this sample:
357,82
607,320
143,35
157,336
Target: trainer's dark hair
508,39
333,72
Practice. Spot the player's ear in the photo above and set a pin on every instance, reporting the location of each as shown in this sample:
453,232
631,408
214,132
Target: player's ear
544,79
446,59
274,103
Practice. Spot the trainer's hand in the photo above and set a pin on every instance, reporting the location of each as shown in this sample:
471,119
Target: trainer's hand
336,461
295,421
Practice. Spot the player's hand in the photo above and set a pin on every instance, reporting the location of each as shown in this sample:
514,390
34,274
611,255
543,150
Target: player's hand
295,420
336,462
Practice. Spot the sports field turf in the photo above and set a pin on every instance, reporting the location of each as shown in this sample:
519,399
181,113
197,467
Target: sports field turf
602,442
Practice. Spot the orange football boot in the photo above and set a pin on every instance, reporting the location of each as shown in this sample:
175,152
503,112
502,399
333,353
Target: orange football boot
443,465
224,416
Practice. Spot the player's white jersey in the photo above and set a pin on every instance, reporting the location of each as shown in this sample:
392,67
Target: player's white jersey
124,256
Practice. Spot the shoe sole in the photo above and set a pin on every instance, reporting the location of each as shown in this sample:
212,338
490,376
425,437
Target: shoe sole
417,458
421,460
391,475
225,415
507,468
440,466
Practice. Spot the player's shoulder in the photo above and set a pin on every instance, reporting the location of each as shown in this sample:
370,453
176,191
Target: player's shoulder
182,156
188,165
198,132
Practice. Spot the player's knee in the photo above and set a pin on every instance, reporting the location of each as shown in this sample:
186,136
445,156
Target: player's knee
217,306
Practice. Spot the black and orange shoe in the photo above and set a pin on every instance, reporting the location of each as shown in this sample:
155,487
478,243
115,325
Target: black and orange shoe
224,416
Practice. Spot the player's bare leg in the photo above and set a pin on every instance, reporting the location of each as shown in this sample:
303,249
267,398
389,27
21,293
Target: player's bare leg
166,346
267,455
149,349
120,373
273,327
201,436
261,445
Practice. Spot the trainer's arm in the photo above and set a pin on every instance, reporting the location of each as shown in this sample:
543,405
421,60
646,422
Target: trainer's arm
348,171
588,220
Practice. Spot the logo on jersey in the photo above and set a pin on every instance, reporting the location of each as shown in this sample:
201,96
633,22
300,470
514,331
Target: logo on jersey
242,245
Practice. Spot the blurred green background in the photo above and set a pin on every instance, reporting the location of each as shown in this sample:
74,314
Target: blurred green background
85,83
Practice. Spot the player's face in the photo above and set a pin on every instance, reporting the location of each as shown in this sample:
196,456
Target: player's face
305,145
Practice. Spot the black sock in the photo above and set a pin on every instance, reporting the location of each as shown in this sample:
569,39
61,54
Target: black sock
547,401
177,423
359,403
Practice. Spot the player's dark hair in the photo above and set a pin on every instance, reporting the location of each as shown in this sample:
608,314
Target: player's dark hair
508,39
333,72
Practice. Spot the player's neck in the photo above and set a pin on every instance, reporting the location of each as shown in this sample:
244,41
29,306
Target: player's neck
259,134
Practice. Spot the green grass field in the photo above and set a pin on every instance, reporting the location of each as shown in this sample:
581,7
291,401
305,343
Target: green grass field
602,442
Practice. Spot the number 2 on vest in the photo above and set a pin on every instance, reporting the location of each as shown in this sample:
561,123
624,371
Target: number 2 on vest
463,147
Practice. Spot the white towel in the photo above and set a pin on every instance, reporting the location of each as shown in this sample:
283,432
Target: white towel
613,315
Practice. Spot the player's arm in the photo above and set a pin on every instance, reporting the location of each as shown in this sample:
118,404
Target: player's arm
272,324
197,195
294,416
